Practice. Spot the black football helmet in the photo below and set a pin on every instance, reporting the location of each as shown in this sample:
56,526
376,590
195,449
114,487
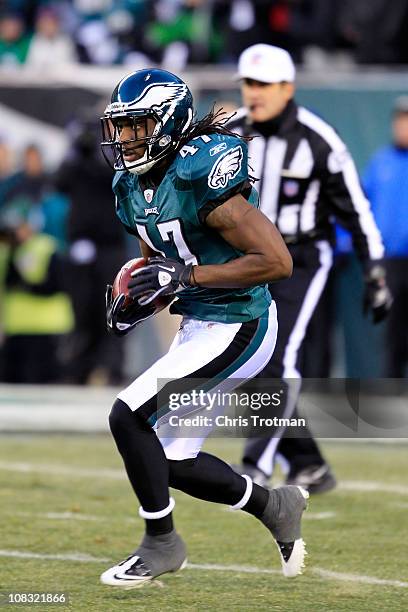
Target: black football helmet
157,106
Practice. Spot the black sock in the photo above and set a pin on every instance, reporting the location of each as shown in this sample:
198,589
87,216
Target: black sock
159,526
257,502
207,477
145,462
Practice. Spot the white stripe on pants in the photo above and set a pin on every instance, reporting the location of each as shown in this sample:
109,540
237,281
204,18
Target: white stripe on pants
290,371
196,344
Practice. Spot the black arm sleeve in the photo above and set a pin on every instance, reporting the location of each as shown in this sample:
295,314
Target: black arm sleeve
345,197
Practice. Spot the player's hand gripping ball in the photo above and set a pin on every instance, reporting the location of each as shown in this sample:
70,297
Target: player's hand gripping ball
161,276
123,312
120,284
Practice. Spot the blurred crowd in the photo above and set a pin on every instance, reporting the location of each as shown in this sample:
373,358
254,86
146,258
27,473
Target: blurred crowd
174,33
61,243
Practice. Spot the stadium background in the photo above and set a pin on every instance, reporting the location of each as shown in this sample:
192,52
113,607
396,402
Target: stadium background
61,480
358,103
59,60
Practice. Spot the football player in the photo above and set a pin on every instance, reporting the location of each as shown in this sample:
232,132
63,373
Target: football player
182,188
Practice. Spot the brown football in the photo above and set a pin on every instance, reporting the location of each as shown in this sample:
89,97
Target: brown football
120,284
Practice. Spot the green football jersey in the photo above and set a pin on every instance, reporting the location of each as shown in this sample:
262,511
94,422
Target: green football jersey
171,220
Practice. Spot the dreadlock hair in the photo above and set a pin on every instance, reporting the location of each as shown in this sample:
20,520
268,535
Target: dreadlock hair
213,123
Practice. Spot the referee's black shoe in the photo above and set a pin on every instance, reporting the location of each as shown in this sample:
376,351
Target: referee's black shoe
313,478
256,475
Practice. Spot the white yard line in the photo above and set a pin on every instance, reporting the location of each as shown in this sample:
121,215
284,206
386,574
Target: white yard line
311,516
80,557
361,486
318,516
358,578
62,516
62,470
77,516
71,516
366,486
315,570
241,569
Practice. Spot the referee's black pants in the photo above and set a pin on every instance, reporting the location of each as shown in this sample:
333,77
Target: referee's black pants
296,300
396,345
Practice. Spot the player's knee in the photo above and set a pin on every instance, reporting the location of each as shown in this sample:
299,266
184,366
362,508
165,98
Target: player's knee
121,418
125,422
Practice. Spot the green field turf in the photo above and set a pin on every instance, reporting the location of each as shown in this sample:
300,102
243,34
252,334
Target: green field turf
367,535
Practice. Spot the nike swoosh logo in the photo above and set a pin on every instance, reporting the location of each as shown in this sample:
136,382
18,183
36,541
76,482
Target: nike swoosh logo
130,578
168,269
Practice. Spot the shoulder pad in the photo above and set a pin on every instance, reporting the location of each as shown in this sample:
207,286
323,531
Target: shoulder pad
197,158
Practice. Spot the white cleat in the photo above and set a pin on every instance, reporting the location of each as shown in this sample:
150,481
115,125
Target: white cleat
155,556
283,517
293,554
294,563
130,574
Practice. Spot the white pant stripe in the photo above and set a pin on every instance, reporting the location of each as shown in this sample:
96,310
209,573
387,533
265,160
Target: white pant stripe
178,448
197,344
290,371
310,301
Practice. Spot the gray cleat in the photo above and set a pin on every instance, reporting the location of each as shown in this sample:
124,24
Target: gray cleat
156,555
283,516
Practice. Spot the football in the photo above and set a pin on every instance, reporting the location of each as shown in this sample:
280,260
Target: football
120,284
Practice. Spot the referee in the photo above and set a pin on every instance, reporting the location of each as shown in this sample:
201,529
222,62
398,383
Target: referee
306,178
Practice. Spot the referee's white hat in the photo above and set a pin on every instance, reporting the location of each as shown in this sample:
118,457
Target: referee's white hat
267,64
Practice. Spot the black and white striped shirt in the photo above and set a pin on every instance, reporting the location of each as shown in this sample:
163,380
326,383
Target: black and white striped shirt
306,178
